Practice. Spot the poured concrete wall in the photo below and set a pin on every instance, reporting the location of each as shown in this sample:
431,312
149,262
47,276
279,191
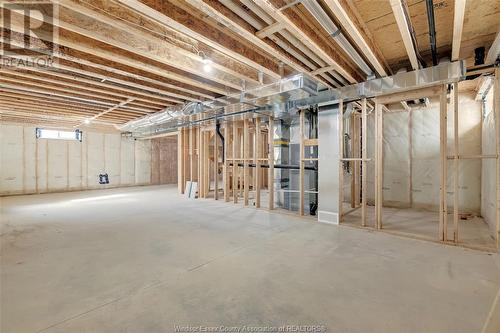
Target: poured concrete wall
31,165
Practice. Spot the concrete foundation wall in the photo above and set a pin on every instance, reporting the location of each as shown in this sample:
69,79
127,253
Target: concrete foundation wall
31,165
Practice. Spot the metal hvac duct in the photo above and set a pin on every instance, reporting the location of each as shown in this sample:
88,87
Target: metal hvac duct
296,92
288,89
446,72
162,116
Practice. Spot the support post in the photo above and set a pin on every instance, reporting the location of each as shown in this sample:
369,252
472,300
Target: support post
270,181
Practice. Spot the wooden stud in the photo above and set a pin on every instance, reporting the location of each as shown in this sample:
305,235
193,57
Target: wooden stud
191,151
258,155
410,157
246,161
235,162
186,155
270,182
364,157
240,157
341,162
455,162
301,161
207,163
200,161
216,165
378,164
443,215
47,165
226,179
496,108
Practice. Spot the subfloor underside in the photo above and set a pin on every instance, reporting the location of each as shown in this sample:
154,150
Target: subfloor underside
146,259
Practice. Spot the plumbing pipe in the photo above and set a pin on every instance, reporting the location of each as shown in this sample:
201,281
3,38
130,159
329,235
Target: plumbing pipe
432,30
217,129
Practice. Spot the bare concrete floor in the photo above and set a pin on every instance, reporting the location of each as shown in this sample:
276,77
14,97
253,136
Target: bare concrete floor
421,223
146,259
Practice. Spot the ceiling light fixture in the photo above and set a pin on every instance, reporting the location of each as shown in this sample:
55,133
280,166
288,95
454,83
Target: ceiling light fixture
207,65
87,121
207,62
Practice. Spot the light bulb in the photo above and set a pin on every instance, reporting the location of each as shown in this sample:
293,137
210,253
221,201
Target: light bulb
87,121
207,64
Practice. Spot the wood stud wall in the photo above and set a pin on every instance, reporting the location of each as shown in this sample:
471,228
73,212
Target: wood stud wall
246,142
445,109
241,181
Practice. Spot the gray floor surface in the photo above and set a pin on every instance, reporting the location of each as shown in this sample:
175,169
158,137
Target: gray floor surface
146,259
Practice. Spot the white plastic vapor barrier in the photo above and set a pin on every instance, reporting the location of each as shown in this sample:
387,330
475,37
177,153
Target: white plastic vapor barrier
31,165
488,179
421,190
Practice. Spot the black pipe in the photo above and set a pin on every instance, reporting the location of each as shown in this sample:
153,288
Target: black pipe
217,128
432,30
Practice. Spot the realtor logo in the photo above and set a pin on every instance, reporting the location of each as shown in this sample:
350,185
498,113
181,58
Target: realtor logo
29,32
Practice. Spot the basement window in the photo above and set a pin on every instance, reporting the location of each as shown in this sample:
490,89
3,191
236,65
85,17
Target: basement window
42,133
